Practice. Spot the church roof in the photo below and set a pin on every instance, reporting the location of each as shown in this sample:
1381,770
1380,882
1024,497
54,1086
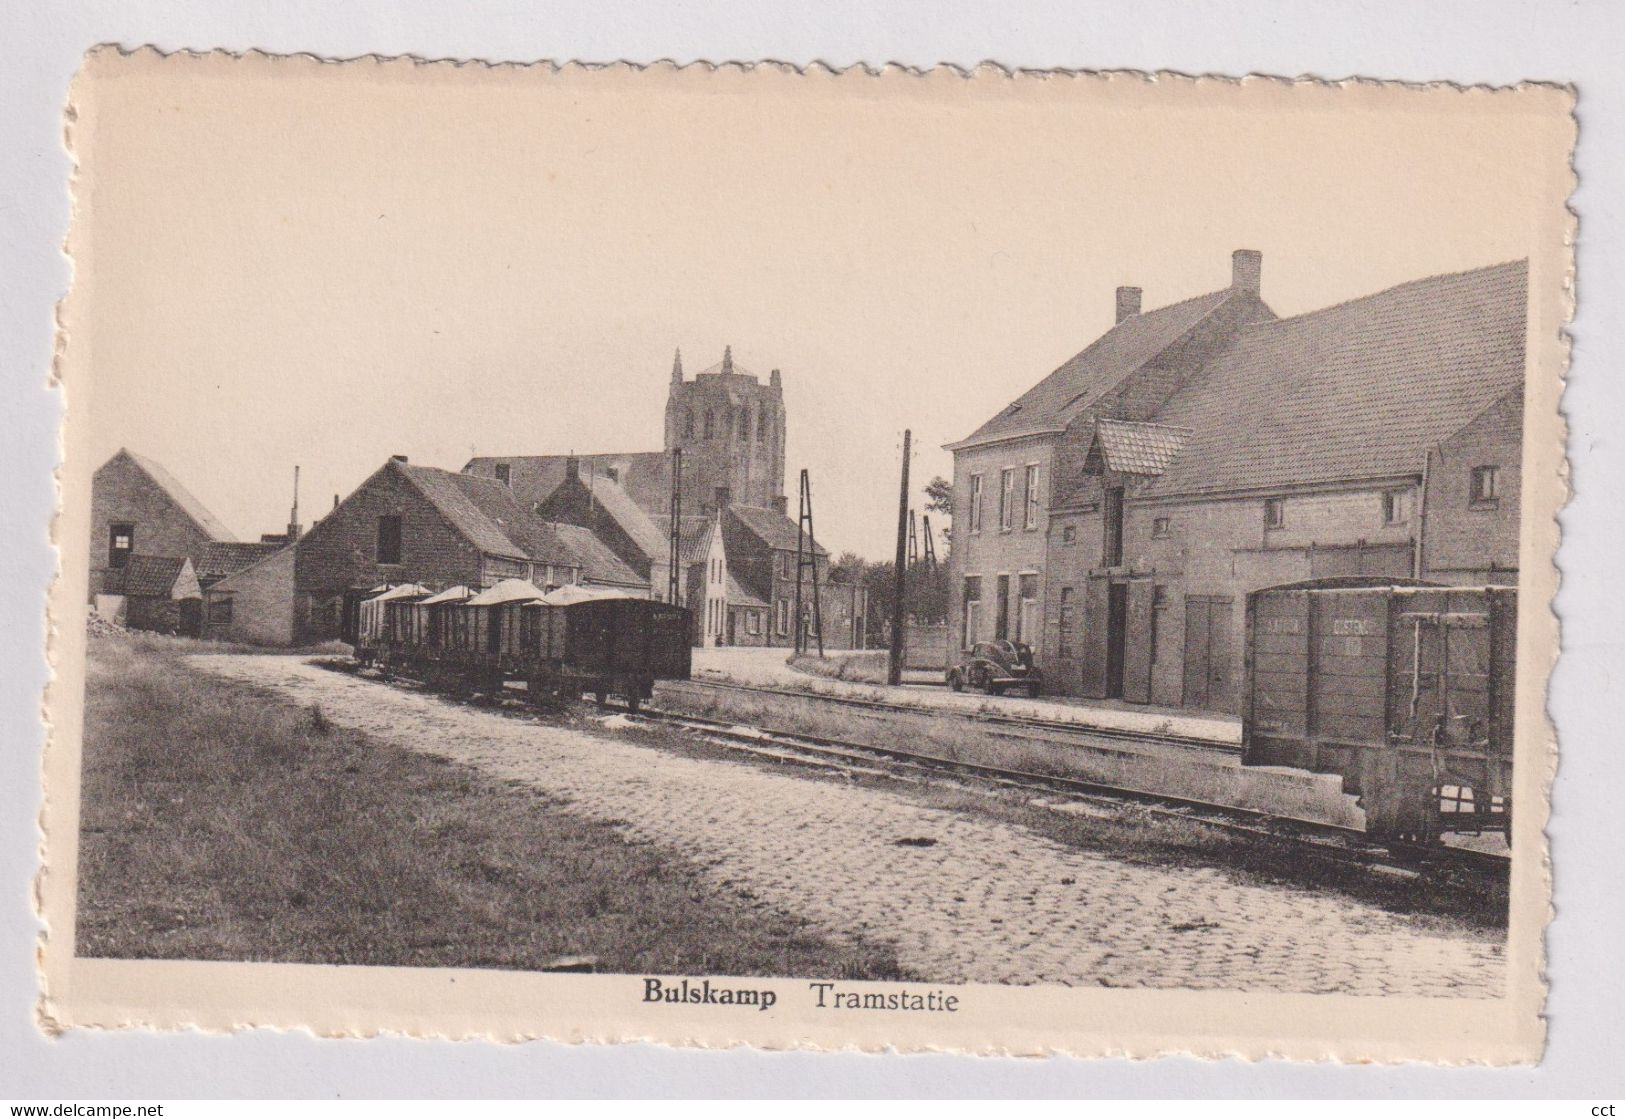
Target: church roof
644,475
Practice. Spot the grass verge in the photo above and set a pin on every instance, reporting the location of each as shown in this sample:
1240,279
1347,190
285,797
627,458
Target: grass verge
220,822
858,668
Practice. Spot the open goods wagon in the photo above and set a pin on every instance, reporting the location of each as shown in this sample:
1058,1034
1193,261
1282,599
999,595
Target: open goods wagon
1404,689
558,644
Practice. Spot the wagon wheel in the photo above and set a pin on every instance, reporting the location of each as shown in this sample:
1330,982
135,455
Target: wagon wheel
634,703
1033,690
601,695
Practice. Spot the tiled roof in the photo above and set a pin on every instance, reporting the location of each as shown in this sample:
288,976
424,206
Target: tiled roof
771,527
1080,382
481,509
694,543
1139,448
147,575
1358,390
739,596
644,475
490,517
227,557
598,563
629,515
182,497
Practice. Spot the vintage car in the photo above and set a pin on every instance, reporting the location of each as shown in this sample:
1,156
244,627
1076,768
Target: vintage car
993,666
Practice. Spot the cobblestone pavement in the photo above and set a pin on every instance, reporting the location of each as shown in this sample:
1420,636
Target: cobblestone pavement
966,899
766,666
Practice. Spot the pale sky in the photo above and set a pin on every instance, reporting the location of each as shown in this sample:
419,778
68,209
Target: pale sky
324,265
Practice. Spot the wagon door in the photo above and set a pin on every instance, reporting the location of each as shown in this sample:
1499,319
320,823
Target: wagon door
1278,673
1445,710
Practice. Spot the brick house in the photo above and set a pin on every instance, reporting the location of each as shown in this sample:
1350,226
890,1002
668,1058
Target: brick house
254,605
438,528
1381,436
136,506
601,505
1005,471
762,547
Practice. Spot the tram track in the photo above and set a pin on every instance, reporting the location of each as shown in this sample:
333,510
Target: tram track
781,746
1324,840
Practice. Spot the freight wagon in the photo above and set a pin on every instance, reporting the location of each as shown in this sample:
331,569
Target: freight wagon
559,644
1404,689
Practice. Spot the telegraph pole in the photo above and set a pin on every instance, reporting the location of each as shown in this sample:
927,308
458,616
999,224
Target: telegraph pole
894,669
674,543
807,556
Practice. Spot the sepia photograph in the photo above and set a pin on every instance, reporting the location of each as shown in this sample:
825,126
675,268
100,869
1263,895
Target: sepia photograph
992,561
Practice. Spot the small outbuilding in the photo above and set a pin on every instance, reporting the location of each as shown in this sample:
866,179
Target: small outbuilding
156,593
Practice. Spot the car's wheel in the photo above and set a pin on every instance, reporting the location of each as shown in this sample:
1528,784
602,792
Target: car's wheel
994,689
956,682
1033,690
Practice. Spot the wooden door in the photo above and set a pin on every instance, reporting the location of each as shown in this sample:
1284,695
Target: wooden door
1137,648
1208,655
1092,642
1116,638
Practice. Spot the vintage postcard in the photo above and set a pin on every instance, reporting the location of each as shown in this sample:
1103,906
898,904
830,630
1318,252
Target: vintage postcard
999,562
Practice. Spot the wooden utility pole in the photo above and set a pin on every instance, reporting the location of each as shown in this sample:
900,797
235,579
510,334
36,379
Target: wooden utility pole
675,537
894,668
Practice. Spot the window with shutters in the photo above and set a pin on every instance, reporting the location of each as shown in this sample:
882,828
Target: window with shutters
1485,485
1007,498
1029,518
975,517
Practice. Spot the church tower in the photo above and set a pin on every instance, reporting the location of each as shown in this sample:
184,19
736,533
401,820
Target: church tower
730,427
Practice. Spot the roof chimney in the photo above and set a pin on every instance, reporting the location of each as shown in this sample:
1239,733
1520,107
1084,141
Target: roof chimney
727,360
572,467
1246,269
724,497
397,458
1128,303
775,380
